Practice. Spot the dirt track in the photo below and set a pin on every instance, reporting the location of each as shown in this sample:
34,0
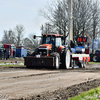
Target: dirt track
20,83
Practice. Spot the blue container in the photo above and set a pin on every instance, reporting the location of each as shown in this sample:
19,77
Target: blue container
78,48
21,52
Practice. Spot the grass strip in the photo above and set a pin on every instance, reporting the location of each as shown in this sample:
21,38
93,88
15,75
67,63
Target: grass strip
93,62
93,94
10,65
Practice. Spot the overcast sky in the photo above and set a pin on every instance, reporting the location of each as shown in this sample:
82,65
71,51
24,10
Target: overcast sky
25,12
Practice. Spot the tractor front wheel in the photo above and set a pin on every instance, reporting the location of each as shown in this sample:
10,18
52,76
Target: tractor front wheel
56,60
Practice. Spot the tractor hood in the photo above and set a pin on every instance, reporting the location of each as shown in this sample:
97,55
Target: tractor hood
45,46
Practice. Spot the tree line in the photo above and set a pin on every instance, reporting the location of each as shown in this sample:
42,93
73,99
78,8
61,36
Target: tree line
16,36
86,22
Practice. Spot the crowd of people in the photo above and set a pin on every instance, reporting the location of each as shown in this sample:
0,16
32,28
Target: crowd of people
4,54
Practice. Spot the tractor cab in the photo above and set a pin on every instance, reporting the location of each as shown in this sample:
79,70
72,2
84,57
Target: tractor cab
55,40
50,43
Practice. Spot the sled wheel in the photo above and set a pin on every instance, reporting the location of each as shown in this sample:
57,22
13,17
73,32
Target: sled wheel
72,63
81,64
85,62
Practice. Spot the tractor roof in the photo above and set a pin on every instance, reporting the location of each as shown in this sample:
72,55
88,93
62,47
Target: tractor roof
57,35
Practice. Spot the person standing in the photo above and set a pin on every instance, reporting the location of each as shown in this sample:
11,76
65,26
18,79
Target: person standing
0,54
4,51
7,56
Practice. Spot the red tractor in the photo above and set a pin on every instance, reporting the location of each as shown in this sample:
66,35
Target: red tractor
51,53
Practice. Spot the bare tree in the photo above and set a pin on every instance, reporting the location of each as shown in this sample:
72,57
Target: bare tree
18,34
48,28
14,36
82,17
31,42
57,14
8,37
95,20
98,45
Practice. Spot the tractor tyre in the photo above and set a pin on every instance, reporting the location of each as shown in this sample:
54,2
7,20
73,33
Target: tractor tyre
56,60
66,59
95,58
28,66
72,64
81,64
85,62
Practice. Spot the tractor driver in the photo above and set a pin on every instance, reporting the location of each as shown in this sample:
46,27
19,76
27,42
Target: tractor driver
51,42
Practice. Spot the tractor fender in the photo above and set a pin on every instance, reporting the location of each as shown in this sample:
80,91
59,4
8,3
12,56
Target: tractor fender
60,49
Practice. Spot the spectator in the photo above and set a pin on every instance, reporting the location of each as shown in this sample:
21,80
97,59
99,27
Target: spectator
4,51
13,53
79,43
0,54
72,44
8,54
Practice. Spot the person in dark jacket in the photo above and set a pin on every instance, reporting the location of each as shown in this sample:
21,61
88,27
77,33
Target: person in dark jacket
4,51
0,54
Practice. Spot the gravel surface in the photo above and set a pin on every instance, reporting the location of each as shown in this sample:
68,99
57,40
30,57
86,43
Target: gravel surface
66,93
20,83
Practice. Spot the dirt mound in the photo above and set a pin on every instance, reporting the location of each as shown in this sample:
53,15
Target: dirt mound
65,94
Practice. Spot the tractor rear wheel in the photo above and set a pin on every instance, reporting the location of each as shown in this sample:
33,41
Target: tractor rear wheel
66,59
